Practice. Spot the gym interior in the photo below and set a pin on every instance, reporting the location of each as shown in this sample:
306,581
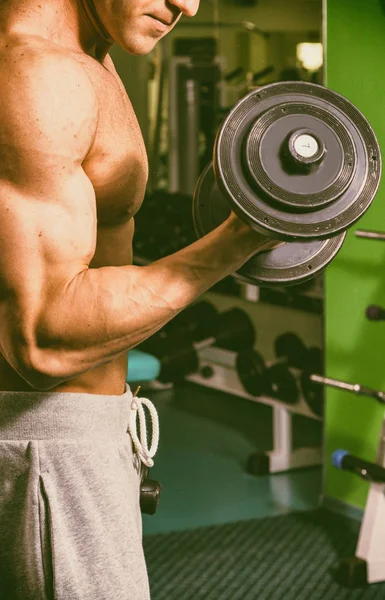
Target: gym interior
271,457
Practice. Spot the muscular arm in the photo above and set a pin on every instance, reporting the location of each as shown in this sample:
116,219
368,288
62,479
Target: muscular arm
58,317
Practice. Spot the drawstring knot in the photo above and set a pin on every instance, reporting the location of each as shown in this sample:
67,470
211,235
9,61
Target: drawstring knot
140,440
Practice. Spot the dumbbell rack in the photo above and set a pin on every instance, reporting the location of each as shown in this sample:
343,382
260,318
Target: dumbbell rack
222,364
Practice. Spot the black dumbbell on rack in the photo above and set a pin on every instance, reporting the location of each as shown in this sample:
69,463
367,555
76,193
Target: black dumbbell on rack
275,380
290,352
178,349
313,394
259,380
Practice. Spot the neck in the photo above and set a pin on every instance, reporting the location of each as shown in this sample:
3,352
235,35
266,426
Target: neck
73,24
90,15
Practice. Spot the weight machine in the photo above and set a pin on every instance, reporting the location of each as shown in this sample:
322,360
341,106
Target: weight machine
195,101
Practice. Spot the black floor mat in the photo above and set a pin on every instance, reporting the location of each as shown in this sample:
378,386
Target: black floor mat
287,557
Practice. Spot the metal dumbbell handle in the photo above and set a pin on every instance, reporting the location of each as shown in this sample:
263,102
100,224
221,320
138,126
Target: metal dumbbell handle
355,388
370,235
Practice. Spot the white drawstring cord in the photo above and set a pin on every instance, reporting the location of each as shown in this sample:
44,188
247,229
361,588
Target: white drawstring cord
140,442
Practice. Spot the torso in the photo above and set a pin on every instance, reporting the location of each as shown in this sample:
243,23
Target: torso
117,167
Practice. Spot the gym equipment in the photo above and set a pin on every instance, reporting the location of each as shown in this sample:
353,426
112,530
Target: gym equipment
297,162
342,459
375,313
290,347
177,358
251,368
178,352
370,235
312,383
275,380
195,99
278,382
281,383
222,375
142,367
368,563
258,379
354,388
247,25
313,393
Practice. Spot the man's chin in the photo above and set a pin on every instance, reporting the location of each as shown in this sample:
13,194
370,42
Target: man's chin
139,47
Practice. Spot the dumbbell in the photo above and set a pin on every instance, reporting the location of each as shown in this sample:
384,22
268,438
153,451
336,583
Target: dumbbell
313,393
258,379
179,354
297,162
289,347
290,351
312,383
275,380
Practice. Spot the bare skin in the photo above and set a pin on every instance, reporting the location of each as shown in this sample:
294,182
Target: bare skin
73,173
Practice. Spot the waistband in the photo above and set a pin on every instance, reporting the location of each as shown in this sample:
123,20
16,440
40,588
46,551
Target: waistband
63,415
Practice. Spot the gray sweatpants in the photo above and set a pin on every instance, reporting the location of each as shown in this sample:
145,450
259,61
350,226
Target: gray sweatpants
70,521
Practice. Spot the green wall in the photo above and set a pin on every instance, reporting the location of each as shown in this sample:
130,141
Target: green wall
355,347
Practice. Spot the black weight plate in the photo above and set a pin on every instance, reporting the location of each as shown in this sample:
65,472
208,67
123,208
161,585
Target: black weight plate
235,330
281,384
290,347
285,182
250,368
289,264
315,203
315,360
313,393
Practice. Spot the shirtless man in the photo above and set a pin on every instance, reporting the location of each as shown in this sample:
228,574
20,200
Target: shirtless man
73,173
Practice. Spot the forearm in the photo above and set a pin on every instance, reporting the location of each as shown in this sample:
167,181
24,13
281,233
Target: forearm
103,312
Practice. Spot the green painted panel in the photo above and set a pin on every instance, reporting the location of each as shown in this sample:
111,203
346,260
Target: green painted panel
355,348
